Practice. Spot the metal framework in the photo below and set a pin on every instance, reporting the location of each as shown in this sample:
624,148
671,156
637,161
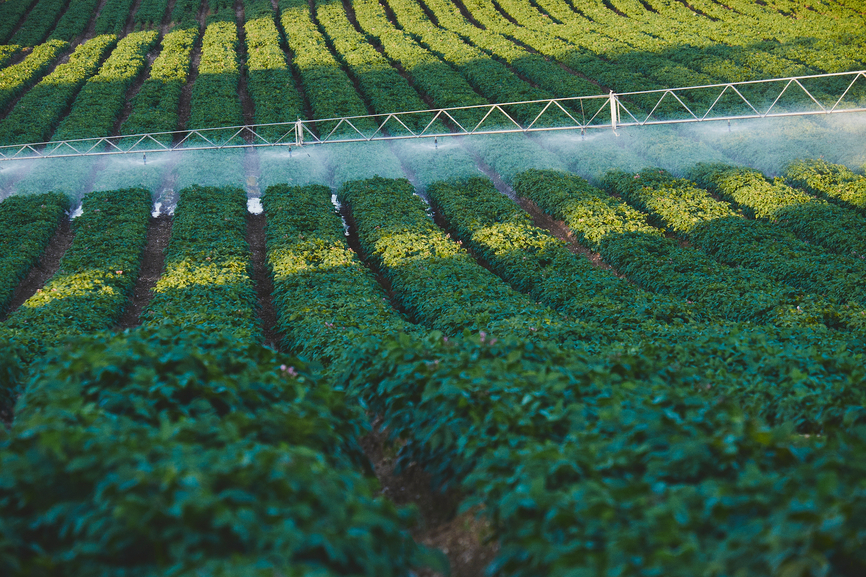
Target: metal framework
778,97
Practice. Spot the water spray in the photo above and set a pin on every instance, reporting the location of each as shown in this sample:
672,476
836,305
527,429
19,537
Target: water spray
729,125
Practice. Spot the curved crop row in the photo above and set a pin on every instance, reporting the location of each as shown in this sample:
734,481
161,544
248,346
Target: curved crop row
34,117
19,77
326,299
834,182
434,278
91,288
96,108
713,227
41,19
26,225
206,284
383,86
536,263
75,19
270,82
623,237
155,107
215,101
810,219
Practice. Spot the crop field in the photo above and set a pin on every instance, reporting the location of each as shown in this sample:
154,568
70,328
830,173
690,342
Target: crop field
634,351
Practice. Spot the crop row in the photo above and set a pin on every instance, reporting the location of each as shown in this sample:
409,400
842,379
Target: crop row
222,457
155,107
326,299
328,88
10,14
716,229
444,85
75,20
26,225
41,19
816,221
19,77
487,76
270,81
382,85
96,108
149,14
534,262
206,284
97,273
185,13
34,116
215,99
434,279
628,242
834,182
112,18
550,445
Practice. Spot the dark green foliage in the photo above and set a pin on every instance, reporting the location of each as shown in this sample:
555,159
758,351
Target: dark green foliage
118,465
160,376
149,14
270,81
40,21
184,13
215,100
26,225
629,460
326,299
155,107
19,77
674,486
10,15
206,283
112,17
75,19
91,288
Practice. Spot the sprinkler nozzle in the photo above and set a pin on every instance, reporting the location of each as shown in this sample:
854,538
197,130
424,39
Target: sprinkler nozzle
729,125
436,142
144,158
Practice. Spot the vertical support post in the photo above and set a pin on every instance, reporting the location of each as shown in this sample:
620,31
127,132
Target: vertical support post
614,110
299,133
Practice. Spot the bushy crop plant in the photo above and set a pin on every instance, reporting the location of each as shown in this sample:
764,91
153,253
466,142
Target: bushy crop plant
157,452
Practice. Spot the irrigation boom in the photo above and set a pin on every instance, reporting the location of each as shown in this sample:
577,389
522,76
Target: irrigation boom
843,92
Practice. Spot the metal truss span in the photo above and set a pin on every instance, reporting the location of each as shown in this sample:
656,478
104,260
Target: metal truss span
843,92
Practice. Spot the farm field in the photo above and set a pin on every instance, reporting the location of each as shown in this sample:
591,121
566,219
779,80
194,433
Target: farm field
636,351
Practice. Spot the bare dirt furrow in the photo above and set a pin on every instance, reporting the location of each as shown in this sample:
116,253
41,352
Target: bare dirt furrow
256,237
48,265
152,264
